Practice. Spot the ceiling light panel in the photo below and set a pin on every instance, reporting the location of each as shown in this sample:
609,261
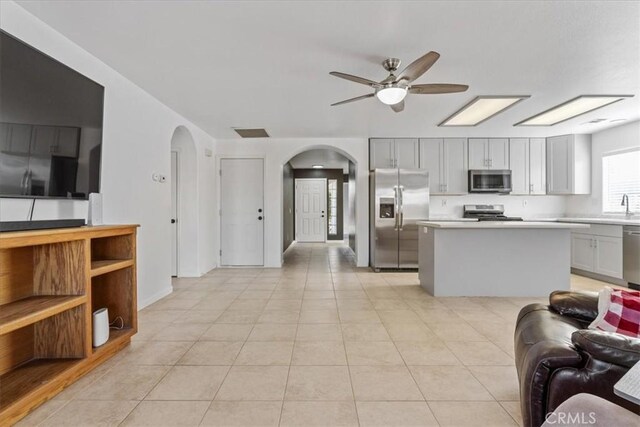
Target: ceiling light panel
480,109
570,109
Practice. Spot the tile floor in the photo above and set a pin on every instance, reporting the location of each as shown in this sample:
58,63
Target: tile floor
318,342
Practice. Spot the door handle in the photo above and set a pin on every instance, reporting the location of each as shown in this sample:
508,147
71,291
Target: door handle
173,221
259,218
259,210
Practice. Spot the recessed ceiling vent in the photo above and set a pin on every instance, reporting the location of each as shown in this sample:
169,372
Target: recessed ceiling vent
594,121
252,133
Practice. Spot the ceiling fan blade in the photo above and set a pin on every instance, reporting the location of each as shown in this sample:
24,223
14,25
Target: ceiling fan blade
398,107
419,66
356,79
434,88
357,98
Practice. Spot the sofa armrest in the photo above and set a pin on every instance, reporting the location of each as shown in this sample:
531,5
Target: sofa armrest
609,347
580,305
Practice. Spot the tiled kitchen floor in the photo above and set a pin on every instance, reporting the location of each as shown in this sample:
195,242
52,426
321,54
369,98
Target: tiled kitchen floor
318,342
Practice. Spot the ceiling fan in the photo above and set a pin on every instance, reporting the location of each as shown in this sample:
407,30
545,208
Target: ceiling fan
392,90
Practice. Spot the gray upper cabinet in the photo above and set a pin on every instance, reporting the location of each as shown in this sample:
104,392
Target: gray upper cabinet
55,141
446,161
527,162
537,166
15,138
569,164
488,153
393,153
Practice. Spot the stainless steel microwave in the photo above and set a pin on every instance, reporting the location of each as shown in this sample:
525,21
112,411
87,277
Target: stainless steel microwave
489,181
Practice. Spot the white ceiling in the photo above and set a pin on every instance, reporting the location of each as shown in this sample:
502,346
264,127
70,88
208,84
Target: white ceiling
328,158
266,64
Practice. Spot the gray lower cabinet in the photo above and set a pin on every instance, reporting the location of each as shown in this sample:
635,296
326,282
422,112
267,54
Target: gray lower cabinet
598,250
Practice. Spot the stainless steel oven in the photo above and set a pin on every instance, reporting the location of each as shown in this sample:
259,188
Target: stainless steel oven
489,181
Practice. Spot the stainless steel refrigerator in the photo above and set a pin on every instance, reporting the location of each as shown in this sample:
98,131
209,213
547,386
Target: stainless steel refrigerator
399,198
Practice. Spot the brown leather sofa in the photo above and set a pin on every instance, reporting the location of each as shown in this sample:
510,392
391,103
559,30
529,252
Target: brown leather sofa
557,357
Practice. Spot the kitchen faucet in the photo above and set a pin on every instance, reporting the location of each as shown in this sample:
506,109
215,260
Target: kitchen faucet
625,202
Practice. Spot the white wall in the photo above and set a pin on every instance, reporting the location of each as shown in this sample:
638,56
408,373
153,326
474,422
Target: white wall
610,140
136,143
276,153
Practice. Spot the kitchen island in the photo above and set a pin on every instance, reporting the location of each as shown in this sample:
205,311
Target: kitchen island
501,258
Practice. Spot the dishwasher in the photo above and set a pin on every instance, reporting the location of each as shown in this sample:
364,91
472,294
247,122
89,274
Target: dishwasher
631,255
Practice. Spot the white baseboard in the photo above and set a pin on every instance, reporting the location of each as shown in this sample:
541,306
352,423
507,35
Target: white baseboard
157,296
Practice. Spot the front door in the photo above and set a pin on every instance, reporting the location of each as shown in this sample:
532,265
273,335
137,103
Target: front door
242,212
311,207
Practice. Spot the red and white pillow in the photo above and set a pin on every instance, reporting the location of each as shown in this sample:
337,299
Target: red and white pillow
618,311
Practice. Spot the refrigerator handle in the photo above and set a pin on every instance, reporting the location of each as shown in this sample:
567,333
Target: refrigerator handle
396,206
401,207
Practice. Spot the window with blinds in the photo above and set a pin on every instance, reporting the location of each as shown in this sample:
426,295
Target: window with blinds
621,175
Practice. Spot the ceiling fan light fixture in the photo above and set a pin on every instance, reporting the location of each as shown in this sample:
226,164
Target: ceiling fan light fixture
391,95
480,109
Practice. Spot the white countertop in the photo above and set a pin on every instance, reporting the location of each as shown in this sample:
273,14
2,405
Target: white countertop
501,224
610,221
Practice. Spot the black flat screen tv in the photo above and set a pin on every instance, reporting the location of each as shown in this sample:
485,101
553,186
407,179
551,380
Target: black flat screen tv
50,126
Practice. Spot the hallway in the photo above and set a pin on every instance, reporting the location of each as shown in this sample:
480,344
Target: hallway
318,342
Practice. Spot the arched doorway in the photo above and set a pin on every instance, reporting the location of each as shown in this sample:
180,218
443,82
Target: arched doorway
338,170
184,209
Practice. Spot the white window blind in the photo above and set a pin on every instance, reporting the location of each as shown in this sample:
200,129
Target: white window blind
621,175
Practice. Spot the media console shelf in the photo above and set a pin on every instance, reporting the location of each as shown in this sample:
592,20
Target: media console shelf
51,281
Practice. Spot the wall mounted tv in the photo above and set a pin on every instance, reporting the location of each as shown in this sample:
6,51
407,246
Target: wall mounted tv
50,126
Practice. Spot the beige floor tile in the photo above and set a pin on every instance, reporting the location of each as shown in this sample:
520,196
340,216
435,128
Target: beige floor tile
91,413
279,316
470,414
319,332
319,353
199,316
513,408
227,332
455,331
265,353
284,304
364,332
414,331
501,381
319,316
433,352
398,316
390,304
212,353
181,332
239,316
255,294
126,382
156,413
318,304
189,383
273,332
355,303
156,353
399,414
372,353
41,413
350,293
254,383
480,353
248,304
383,383
448,383
242,414
358,316
319,383
310,293
321,414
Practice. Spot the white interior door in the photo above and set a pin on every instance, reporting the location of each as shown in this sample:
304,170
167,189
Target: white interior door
242,214
311,208
174,213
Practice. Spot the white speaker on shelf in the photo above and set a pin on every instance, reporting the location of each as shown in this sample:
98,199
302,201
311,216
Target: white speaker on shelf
100,327
95,209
